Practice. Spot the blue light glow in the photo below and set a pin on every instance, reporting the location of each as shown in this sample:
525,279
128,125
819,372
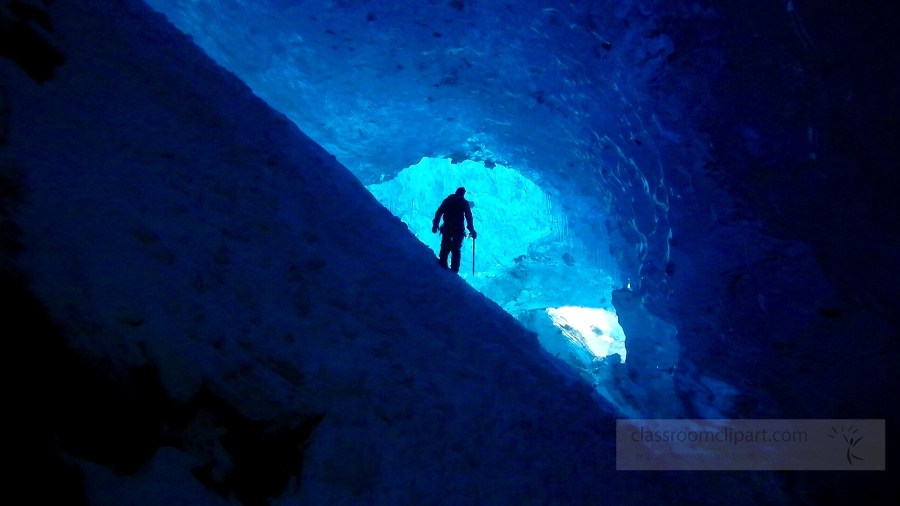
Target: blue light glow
526,258
511,213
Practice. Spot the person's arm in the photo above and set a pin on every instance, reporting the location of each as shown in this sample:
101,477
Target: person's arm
437,218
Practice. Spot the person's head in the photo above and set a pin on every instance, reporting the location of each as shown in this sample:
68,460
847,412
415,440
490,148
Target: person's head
461,191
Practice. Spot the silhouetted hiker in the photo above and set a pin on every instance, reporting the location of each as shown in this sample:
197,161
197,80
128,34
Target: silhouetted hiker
454,209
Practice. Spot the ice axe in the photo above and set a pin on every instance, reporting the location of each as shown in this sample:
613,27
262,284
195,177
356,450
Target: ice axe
473,256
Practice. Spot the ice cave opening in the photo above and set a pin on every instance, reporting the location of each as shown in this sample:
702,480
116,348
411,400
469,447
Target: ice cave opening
565,175
526,258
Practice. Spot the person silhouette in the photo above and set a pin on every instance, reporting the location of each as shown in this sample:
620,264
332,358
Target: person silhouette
454,209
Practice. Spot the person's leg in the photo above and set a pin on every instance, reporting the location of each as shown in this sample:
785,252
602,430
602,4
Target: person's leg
446,247
456,253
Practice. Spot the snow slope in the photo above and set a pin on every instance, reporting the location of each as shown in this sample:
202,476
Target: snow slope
172,220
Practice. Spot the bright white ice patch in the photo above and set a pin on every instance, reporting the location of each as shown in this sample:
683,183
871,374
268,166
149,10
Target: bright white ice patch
596,330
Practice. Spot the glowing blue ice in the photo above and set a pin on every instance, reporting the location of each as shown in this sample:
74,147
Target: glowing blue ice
525,258
511,212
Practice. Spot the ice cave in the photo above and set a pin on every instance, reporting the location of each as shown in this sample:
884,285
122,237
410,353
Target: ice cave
218,268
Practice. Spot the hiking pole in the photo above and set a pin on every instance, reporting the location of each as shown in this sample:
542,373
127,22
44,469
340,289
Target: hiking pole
473,256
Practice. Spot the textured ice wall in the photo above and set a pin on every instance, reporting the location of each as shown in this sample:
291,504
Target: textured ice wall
556,90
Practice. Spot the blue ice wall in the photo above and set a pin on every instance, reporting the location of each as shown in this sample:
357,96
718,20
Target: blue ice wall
555,90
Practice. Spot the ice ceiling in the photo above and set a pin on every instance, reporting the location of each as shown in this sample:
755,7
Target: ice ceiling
550,94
